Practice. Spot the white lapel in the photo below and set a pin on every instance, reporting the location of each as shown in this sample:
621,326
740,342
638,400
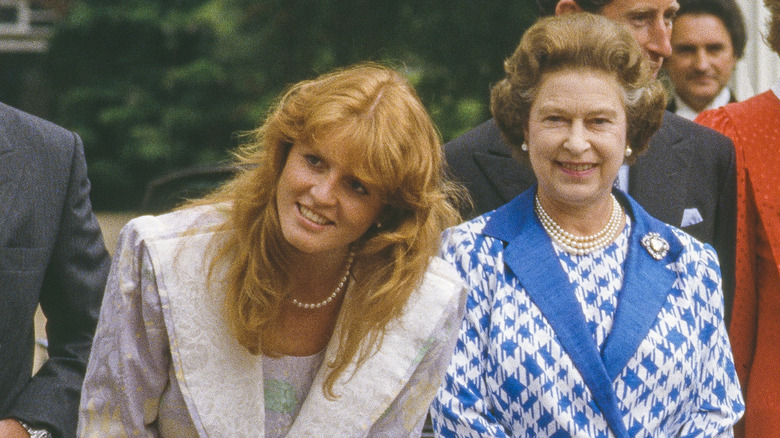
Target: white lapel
221,382
365,396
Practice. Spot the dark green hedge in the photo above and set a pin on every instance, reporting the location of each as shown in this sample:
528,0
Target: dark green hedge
153,85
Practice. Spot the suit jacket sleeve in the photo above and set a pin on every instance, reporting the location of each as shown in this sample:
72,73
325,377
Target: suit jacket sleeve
726,225
71,292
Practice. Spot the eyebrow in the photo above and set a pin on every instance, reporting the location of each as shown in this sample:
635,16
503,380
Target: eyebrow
648,9
557,109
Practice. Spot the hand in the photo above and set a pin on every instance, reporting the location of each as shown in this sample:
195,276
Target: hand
10,428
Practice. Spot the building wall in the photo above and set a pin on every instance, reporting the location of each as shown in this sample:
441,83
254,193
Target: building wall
25,29
759,68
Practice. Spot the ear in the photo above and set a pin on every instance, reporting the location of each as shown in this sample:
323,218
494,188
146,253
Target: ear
567,7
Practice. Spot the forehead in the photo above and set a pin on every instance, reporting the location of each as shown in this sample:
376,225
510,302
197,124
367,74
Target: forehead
578,90
335,145
699,28
617,9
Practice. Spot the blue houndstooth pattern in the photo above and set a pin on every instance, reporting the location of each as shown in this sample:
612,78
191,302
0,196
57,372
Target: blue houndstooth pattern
510,376
599,276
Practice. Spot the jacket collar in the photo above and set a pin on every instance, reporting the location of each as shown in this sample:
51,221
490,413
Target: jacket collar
506,175
366,393
530,255
665,159
203,347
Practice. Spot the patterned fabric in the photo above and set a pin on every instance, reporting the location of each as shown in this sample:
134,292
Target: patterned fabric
754,126
286,380
527,362
599,278
165,362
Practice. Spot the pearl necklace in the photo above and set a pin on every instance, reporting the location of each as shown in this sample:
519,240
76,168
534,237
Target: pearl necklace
331,297
580,245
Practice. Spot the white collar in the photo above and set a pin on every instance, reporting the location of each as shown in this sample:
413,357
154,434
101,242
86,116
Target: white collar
203,346
683,110
776,89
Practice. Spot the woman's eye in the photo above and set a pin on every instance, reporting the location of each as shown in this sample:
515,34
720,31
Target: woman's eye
313,160
358,187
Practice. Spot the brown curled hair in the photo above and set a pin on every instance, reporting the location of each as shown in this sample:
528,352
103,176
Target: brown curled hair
578,41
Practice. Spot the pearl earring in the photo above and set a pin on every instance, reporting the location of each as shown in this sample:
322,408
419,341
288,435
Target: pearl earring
524,147
629,151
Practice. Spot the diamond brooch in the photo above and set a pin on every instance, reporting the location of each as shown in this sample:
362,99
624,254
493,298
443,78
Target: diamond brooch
655,245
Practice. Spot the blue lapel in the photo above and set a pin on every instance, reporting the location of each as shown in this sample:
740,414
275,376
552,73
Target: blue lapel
647,282
530,255
646,285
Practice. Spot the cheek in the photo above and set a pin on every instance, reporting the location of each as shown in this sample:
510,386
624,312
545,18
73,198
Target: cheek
725,66
542,142
362,212
619,142
285,176
642,36
294,178
282,187
682,67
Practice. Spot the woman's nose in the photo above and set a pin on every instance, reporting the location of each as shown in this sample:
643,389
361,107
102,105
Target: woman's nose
576,141
324,190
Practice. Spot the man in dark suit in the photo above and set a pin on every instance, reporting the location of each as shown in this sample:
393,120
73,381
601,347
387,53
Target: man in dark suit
52,254
686,178
708,39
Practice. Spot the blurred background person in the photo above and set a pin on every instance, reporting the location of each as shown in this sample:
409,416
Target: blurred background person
587,316
708,38
754,125
304,297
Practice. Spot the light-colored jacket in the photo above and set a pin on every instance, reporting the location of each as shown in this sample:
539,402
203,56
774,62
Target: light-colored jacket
165,363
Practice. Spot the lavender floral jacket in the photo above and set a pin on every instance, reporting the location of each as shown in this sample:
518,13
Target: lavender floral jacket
164,362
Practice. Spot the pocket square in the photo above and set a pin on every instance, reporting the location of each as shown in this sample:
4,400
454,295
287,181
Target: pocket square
691,216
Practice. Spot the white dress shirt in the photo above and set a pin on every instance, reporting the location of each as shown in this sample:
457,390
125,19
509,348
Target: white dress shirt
683,110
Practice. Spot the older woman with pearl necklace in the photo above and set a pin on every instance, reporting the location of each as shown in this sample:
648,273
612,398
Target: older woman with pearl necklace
587,316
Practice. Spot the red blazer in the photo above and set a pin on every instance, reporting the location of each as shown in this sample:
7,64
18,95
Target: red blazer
754,127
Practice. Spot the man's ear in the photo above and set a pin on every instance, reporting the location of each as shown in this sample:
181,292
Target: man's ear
567,7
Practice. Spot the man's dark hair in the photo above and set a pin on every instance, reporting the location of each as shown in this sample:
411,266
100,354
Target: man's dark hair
726,10
547,7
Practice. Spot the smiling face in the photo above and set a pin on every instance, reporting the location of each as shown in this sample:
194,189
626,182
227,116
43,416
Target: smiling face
703,59
576,138
322,207
650,21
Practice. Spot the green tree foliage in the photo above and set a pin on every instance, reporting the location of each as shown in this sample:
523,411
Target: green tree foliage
157,85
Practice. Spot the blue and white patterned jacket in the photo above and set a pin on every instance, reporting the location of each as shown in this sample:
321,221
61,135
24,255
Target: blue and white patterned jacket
526,363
